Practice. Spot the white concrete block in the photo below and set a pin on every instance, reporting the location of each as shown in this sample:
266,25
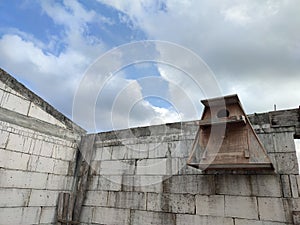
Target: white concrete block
61,167
43,198
175,203
15,103
212,205
13,160
116,167
36,112
96,198
47,149
86,215
271,209
19,216
64,153
14,197
48,215
241,207
158,150
182,219
3,138
22,179
256,222
103,153
147,218
111,216
19,143
109,183
41,164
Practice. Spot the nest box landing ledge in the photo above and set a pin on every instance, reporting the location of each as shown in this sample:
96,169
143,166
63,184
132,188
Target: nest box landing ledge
226,139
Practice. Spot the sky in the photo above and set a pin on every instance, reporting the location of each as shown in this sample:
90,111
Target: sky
112,64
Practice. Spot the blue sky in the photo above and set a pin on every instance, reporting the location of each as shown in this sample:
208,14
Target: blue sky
251,47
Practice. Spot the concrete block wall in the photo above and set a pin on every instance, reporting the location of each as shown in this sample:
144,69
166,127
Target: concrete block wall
37,157
139,176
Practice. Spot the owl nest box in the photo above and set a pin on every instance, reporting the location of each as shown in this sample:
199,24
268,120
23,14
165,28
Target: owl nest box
226,139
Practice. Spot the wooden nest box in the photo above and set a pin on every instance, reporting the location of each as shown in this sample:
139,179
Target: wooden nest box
226,139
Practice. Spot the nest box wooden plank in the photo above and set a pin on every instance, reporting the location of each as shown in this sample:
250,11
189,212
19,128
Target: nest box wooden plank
226,139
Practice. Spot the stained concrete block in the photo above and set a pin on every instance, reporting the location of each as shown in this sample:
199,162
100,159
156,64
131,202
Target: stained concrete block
158,150
22,179
64,153
59,182
13,160
271,209
287,163
118,167
212,205
147,218
184,219
190,184
286,187
43,198
96,198
61,167
148,183
18,143
181,149
294,186
127,200
3,138
230,184
241,207
175,203
266,185
86,215
41,164
20,216
14,197
256,222
152,167
47,149
284,142
109,183
111,216
48,215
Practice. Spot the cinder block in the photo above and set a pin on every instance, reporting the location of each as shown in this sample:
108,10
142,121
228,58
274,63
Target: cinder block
266,185
286,187
111,216
22,179
47,149
212,205
59,182
61,167
241,207
20,216
3,138
103,153
181,149
190,184
48,215
110,183
18,143
175,203
13,160
267,141
158,150
148,183
255,222
36,112
41,164
127,200
284,142
233,184
86,215
161,166
294,186
149,218
271,209
43,198
96,198
119,167
287,163
184,219
14,197
15,103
